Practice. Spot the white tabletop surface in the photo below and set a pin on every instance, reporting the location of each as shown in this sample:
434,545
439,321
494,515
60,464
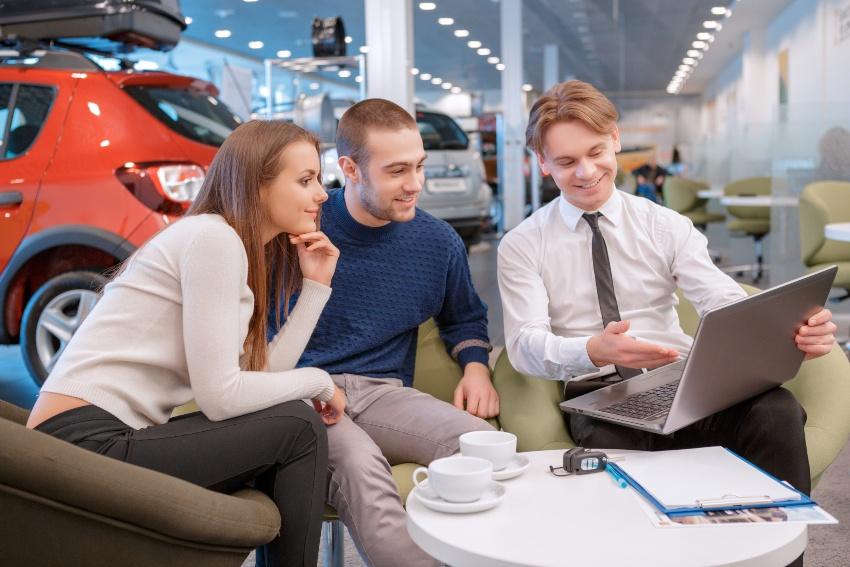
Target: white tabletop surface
710,193
760,201
548,521
838,231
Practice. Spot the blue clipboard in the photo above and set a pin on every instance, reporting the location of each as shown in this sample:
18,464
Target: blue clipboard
710,505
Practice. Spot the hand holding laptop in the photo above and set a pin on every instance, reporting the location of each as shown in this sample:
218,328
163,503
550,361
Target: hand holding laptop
817,337
614,346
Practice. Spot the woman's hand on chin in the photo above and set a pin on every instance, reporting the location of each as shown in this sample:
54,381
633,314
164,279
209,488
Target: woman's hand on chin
317,256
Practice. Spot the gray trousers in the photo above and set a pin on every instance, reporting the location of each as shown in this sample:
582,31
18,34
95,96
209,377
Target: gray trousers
386,424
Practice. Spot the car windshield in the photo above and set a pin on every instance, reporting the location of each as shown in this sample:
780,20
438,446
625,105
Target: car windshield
192,113
439,132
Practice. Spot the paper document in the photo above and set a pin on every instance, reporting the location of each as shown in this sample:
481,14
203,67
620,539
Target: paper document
705,478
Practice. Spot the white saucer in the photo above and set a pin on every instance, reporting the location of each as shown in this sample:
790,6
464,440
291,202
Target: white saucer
492,496
516,467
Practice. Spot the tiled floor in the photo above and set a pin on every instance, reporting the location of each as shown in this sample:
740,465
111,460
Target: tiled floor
829,546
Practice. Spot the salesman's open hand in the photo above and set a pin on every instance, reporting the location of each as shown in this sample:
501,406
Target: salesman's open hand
614,346
476,389
817,337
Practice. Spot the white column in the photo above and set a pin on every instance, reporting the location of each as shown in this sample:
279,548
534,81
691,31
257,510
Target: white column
514,117
389,36
550,66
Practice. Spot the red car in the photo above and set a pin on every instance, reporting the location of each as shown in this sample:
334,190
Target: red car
92,164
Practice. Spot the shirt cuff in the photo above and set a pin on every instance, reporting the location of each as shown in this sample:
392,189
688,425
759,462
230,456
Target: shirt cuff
473,354
575,357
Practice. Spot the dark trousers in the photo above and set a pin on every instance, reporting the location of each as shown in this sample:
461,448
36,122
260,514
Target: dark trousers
281,451
767,430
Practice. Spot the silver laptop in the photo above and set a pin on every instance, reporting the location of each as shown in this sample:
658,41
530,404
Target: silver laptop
740,350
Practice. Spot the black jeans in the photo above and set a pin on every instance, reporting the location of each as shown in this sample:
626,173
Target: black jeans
282,450
766,429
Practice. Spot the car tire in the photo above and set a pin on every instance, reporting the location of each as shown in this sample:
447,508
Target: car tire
52,316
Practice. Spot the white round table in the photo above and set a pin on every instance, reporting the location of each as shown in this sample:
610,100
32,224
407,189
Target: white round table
549,521
710,193
838,231
759,201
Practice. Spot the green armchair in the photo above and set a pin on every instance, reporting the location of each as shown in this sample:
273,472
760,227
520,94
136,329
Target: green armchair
822,203
680,194
64,505
529,406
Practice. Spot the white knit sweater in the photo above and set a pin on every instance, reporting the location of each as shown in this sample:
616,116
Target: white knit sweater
171,327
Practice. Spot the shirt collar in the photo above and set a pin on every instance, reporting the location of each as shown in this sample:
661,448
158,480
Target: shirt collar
612,210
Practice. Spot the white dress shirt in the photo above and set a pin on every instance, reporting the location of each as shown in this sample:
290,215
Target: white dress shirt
548,288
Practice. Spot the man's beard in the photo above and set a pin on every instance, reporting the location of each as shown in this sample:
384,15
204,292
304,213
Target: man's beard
370,203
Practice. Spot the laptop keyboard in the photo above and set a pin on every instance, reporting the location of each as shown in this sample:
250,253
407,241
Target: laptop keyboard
651,403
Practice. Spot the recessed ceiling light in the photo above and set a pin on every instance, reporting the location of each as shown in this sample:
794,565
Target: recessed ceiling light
484,52
461,33
694,53
427,6
474,43
699,44
492,60
689,60
188,20
705,36
344,73
284,53
445,21
719,10
500,66
436,81
446,86
425,76
255,44
710,24
348,39
314,86
455,90
223,34
359,78
364,49
414,71
684,67
249,1
527,88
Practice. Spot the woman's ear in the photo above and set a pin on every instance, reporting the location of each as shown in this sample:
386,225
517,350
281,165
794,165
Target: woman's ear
349,169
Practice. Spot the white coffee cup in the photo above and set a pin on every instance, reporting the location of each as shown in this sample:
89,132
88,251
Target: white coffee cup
457,479
498,447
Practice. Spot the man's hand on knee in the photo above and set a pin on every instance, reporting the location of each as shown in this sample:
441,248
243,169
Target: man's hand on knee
475,392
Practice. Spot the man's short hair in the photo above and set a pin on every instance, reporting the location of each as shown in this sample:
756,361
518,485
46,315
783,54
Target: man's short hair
565,102
363,117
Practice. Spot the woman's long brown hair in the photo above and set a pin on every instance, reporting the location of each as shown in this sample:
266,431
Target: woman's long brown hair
248,159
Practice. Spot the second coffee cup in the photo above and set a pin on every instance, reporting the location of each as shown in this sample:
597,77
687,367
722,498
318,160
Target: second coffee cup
498,447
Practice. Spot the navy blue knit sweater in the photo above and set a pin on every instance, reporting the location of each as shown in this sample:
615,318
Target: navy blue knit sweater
388,281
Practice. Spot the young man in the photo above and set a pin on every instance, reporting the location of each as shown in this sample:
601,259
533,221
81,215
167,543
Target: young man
597,263
398,267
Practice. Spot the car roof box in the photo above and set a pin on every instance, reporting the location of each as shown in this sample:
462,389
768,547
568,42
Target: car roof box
109,26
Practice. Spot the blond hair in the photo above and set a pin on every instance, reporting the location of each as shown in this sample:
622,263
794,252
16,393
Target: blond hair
565,102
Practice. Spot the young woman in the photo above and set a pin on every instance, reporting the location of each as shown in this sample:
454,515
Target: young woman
186,318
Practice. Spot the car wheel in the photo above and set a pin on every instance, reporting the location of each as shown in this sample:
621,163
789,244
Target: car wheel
53,315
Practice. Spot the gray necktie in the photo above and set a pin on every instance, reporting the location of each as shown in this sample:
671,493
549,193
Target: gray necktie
605,283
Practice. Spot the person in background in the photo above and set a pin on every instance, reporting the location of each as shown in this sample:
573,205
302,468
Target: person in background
186,318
